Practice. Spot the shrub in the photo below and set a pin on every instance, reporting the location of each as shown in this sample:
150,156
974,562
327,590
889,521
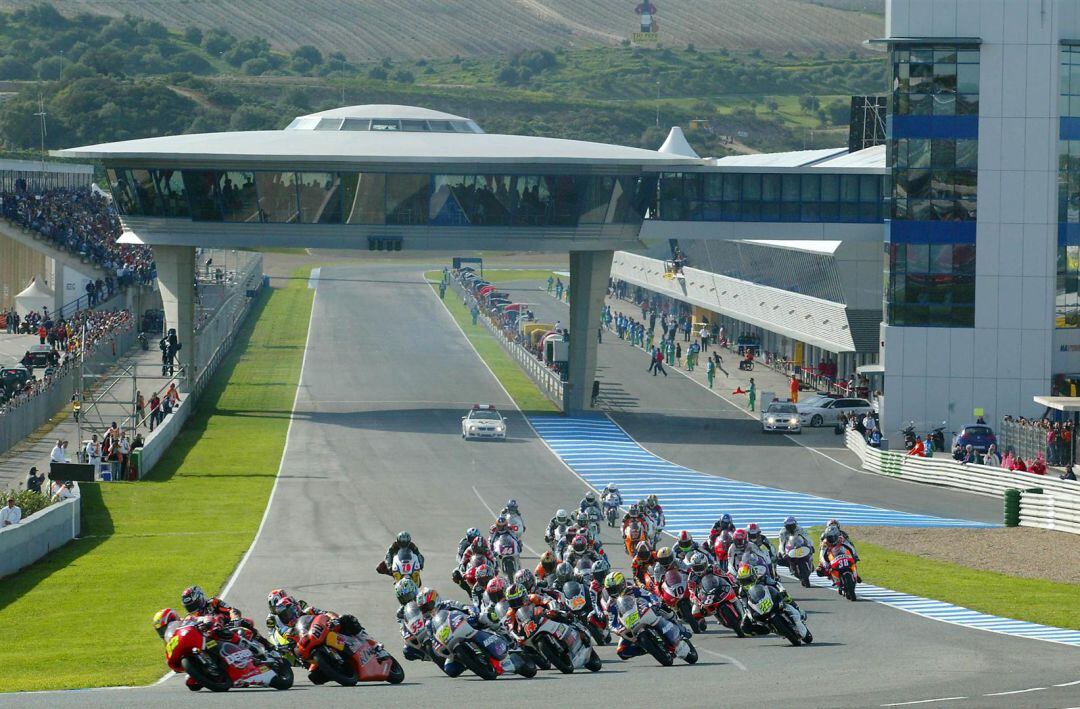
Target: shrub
29,502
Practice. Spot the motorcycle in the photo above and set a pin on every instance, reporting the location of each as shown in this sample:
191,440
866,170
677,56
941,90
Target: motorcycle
715,595
406,563
841,569
484,654
220,665
611,509
508,554
799,553
565,646
516,524
333,656
593,529
634,535
646,629
909,435
767,609
577,598
284,646
937,436
674,591
415,633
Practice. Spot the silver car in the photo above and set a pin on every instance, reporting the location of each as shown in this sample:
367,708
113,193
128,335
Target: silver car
826,411
483,421
780,416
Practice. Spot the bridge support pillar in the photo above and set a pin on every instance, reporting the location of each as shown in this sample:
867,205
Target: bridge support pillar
57,282
176,280
589,273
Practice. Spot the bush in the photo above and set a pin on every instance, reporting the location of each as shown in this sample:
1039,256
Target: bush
403,76
256,66
377,73
193,35
29,502
308,53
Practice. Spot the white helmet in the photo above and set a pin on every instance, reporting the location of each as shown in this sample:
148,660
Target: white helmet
562,517
611,487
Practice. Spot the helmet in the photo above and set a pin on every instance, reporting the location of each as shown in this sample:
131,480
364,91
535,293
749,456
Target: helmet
725,521
652,501
472,534
698,562
642,552
664,557
274,596
288,610
562,517
162,619
564,571
739,538
484,574
526,579
580,544
500,524
832,535
615,583
405,590
193,599
791,524
600,567
611,487
496,589
635,511
516,595
745,575
752,530
511,505
686,541
590,496
426,598
582,518
720,547
833,523
404,538
548,561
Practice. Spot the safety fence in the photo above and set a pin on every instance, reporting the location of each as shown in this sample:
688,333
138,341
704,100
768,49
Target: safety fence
1046,502
549,381
1028,439
35,536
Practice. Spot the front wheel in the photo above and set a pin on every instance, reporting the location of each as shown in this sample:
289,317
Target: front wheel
729,618
397,672
214,681
526,668
556,653
802,570
816,420
848,581
284,676
650,644
331,666
691,656
593,664
783,628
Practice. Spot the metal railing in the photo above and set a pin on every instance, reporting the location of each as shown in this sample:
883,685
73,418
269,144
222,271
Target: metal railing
1029,439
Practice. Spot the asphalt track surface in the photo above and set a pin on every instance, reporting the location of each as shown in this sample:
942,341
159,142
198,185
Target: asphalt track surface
375,447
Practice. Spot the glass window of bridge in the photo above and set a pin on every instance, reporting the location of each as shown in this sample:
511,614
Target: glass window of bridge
239,203
202,190
320,197
363,197
494,199
408,198
170,185
123,189
453,200
146,193
597,199
277,196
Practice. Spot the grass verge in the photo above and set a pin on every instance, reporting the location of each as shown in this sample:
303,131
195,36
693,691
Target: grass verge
81,616
1032,600
522,390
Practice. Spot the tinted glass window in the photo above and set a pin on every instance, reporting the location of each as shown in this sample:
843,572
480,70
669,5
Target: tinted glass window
407,199
277,196
363,198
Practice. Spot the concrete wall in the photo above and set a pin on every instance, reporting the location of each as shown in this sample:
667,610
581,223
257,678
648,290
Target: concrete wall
24,543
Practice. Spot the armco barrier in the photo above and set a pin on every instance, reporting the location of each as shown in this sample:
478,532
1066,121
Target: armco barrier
981,479
1058,512
24,543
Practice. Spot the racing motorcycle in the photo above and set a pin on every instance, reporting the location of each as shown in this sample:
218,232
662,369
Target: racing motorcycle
486,655
635,534
508,554
768,611
646,629
840,567
715,595
333,656
611,509
220,665
516,524
799,554
565,646
406,563
415,633
576,596
674,591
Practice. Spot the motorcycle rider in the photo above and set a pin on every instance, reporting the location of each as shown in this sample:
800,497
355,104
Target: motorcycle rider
563,572
834,541
405,591
665,561
226,620
517,597
163,619
501,526
724,524
747,576
685,547
403,541
754,536
513,515
844,538
286,610
590,505
644,560
615,586
556,527
546,567
478,579
480,550
739,548
656,513
580,549
611,496
792,530
470,534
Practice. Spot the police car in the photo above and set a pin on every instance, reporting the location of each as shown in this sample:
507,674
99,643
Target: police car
483,421
781,416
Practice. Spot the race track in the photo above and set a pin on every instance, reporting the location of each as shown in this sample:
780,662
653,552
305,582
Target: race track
375,448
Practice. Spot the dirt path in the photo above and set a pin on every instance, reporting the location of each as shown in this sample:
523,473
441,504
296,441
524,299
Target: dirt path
1016,551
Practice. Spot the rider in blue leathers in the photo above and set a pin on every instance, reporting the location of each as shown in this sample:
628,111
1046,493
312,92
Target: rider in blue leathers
615,586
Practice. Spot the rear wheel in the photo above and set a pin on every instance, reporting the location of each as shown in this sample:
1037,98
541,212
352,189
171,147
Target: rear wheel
729,618
802,570
397,672
649,643
333,668
691,656
214,680
783,628
848,581
526,668
556,653
686,613
509,567
479,666
593,664
816,420
537,658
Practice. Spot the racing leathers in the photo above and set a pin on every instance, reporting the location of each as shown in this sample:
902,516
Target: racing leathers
844,539
671,632
398,546
762,542
786,536
640,568
556,530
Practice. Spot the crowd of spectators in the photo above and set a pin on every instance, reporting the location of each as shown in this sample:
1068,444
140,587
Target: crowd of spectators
85,223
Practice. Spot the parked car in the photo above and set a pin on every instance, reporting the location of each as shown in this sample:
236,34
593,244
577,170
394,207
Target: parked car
781,416
823,411
14,378
978,435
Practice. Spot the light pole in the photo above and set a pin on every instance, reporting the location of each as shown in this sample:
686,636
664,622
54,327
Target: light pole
658,103
342,79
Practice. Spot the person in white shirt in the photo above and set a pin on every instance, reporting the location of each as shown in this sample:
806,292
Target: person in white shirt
62,491
57,455
869,424
10,514
93,453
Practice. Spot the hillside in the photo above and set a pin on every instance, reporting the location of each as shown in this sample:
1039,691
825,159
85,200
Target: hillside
371,29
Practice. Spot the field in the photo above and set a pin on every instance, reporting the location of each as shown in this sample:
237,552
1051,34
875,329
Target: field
368,29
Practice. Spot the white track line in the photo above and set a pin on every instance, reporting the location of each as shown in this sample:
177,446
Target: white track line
496,514
729,658
922,701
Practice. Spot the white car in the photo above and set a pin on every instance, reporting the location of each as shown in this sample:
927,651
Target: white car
483,421
825,411
780,416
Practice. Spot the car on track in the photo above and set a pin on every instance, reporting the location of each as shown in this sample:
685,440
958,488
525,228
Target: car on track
826,411
483,421
781,416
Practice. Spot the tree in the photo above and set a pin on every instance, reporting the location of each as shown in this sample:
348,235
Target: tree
249,117
404,76
218,40
509,76
377,73
192,62
193,35
299,96
772,105
12,68
308,52
255,67
809,104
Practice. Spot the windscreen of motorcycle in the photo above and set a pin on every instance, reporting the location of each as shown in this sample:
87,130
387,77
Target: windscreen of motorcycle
574,595
413,621
709,584
760,598
627,608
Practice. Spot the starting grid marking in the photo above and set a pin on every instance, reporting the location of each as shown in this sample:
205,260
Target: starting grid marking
601,452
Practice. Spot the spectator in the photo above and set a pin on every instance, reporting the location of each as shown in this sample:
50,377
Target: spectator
34,480
140,408
155,410
123,452
10,514
1068,474
172,395
57,454
992,458
869,423
1019,465
970,456
62,491
93,453
1038,466
919,449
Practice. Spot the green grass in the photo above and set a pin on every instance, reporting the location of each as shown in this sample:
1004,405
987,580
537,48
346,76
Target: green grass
997,594
523,391
509,275
81,616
